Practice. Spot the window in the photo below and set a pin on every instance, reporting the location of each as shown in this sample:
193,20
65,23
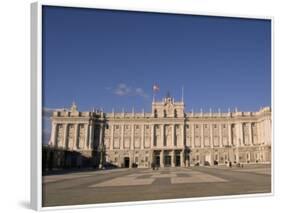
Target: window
215,126
136,159
146,159
205,126
155,113
196,126
187,126
175,112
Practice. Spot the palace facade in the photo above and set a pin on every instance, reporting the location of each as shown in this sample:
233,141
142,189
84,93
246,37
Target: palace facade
166,137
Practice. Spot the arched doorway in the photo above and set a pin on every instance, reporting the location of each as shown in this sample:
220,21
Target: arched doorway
126,162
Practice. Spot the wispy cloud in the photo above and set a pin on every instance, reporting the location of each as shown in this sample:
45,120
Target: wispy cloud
140,92
123,89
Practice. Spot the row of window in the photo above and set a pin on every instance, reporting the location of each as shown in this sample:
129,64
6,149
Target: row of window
165,113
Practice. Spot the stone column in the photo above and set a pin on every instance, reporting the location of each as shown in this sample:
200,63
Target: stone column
250,135
229,135
86,136
142,137
162,158
65,136
132,144
193,136
89,143
54,134
122,137
173,135
162,135
258,133
220,132
182,135
211,135
76,138
241,134
173,158
182,158
238,139
267,130
152,136
111,137
202,136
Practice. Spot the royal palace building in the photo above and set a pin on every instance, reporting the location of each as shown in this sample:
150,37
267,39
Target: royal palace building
165,137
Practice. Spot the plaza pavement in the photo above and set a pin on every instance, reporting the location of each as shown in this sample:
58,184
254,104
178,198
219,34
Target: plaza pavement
121,185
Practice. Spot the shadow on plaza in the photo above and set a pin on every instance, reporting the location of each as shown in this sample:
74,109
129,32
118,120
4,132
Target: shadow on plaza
60,161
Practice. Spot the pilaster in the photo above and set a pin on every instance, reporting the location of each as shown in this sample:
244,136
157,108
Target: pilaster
152,136
89,142
122,137
220,134
193,136
211,135
202,136
229,135
132,144
162,158
173,158
173,135
162,135
65,136
182,135
86,129
76,141
54,134
142,136
250,134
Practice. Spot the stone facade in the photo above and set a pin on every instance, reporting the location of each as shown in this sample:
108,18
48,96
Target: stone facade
168,136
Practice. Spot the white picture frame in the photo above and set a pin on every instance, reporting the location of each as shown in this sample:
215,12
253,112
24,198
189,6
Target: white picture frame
36,99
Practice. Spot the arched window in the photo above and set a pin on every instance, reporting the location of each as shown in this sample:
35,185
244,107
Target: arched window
164,113
155,113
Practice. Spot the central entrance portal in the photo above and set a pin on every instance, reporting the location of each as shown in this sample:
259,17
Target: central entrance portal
167,161
126,162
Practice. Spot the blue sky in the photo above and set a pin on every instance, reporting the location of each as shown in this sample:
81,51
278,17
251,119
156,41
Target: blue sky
110,59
